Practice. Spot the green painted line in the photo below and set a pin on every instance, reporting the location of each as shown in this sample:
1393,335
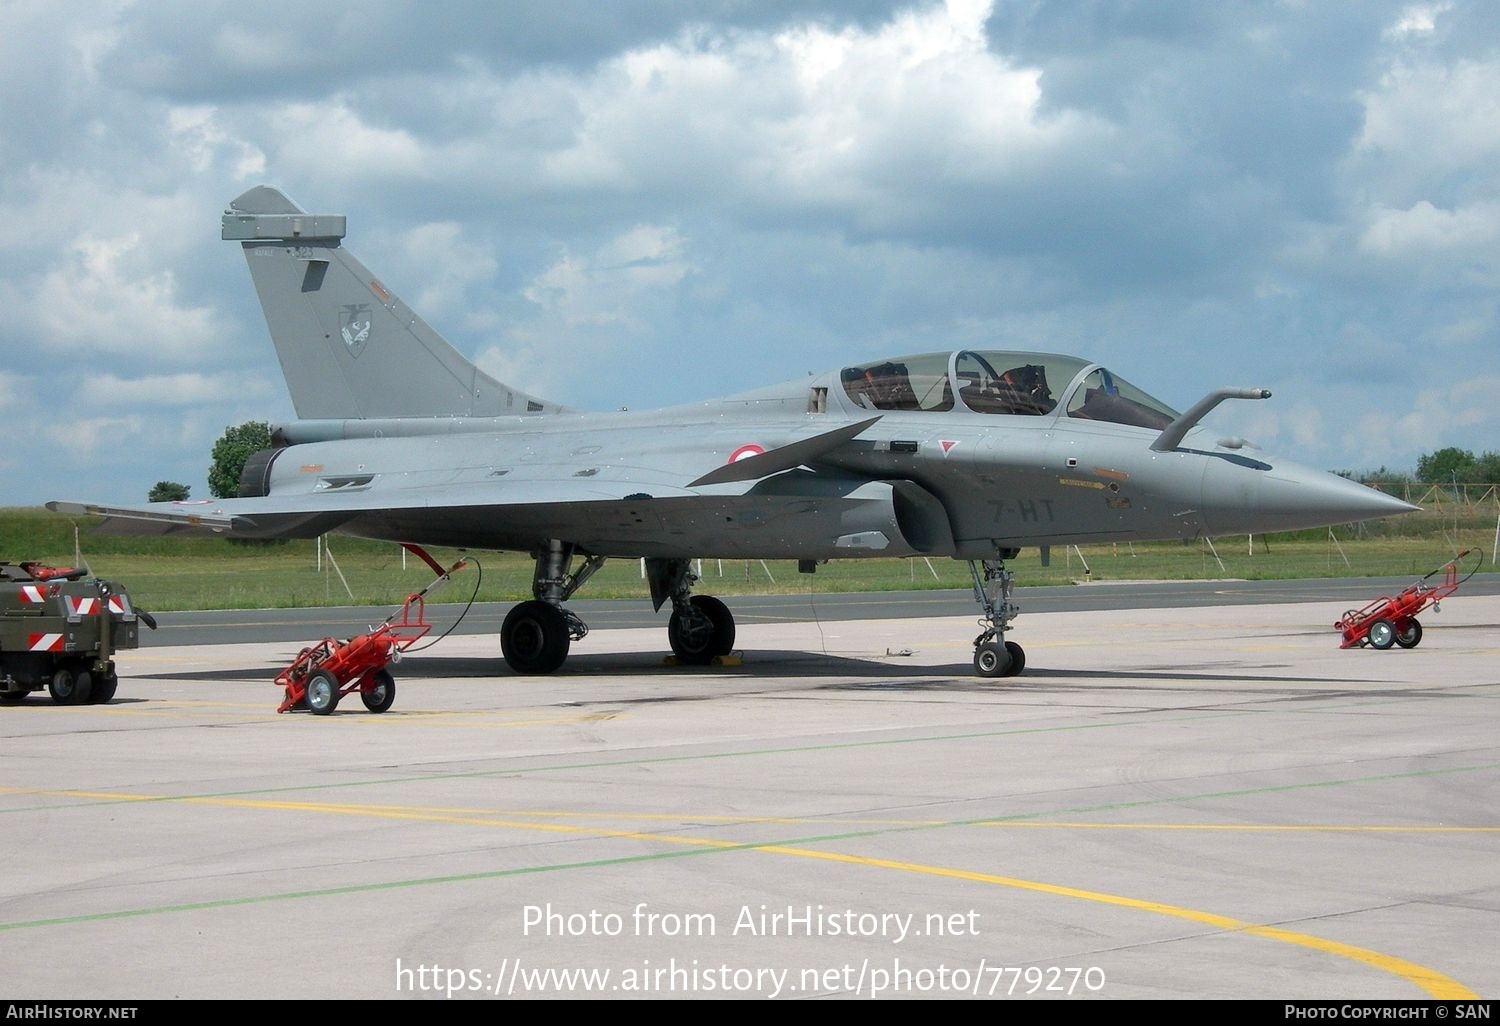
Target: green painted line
1434,983
661,760
754,753
726,848
1248,792
392,885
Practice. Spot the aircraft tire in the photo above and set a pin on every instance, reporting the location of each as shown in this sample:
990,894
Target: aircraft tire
723,621
699,647
382,693
992,660
534,637
322,692
1382,634
1409,633
104,689
1017,659
69,688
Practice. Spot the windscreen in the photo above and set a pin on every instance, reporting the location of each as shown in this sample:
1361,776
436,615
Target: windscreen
1103,396
1014,384
904,383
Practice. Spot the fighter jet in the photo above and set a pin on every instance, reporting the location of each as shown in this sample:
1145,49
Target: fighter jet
970,454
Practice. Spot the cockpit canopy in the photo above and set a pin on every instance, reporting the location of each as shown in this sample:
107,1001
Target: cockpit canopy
1004,383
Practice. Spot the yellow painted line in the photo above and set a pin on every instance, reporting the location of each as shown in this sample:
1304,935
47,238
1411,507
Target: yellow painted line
481,818
1434,983
1431,981
427,817
84,794
674,817
467,815
478,815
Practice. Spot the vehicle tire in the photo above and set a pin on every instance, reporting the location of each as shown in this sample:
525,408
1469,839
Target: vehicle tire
698,639
534,637
12,697
322,692
1382,634
104,689
382,692
1017,659
1409,633
69,688
991,660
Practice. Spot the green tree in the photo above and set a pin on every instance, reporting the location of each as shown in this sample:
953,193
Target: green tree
1446,466
1487,468
1382,475
167,491
231,451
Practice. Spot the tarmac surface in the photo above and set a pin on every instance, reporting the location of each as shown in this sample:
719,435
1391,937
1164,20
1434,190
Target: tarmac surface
1206,801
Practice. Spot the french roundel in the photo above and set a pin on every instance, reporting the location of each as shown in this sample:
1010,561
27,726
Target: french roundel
744,452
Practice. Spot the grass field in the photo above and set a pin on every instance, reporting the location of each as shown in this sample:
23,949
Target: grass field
213,573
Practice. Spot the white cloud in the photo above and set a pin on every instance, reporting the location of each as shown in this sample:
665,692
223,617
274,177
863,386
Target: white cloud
1469,401
1116,181
329,140
1285,427
1418,20
1424,120
202,140
267,49
448,263
112,392
625,273
584,305
108,295
82,438
1424,229
1459,412
1470,327
848,118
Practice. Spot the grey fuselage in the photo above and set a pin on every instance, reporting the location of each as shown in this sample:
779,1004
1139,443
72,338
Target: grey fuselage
953,482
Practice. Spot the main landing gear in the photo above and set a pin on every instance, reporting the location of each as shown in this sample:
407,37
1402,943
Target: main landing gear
537,634
993,655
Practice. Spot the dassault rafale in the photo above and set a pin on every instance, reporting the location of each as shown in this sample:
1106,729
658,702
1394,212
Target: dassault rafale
969,454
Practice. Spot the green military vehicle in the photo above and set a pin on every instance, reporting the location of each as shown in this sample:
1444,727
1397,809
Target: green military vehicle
59,630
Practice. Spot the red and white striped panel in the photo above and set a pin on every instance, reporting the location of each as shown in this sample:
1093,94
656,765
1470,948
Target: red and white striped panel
119,604
81,606
44,643
33,593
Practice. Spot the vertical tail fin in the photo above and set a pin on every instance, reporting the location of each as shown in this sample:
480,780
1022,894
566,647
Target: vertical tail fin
349,349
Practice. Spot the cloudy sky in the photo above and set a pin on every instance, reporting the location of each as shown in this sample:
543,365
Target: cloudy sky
644,203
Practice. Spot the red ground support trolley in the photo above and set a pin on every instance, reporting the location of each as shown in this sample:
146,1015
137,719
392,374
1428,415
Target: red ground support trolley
1393,620
326,672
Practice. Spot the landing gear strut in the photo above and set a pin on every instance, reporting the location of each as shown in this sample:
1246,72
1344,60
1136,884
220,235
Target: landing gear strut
701,627
536,635
993,655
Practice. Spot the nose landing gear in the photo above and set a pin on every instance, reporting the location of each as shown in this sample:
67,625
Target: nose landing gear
993,655
701,628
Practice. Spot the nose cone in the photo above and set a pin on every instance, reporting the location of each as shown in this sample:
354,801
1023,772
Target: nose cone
1287,497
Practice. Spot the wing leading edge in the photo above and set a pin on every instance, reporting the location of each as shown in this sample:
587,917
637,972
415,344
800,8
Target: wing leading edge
619,506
